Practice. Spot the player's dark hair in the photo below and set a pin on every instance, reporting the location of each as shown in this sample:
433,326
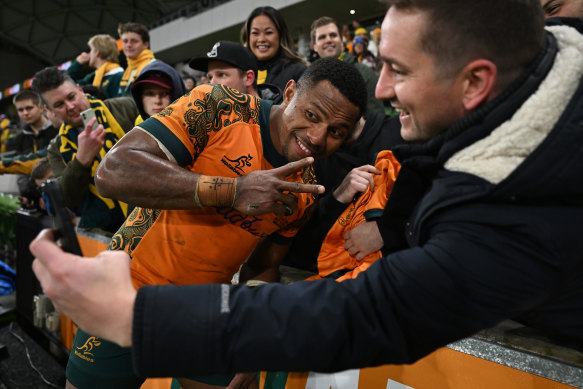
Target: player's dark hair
343,76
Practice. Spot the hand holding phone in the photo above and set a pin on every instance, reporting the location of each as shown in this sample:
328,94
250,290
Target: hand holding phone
62,217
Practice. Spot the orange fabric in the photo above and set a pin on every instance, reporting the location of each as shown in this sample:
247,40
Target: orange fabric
443,368
220,129
89,248
333,256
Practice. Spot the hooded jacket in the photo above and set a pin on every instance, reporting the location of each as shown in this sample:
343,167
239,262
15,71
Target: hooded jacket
178,89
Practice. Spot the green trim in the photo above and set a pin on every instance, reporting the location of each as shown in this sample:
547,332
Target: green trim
159,131
25,157
275,380
373,214
269,152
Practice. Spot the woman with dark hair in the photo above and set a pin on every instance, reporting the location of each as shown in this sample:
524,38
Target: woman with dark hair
265,33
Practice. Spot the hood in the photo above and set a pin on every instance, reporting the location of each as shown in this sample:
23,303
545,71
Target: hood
576,23
178,89
270,92
496,156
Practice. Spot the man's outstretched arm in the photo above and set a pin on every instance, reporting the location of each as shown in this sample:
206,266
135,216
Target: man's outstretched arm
403,307
136,170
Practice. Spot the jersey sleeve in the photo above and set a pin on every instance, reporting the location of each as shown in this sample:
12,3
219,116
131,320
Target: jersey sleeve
185,127
170,128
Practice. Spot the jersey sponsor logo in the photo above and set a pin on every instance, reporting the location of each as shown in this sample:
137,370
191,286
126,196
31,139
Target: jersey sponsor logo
85,350
237,165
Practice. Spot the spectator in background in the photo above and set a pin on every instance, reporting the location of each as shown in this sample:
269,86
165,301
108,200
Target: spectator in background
361,32
76,151
34,136
103,56
30,144
189,82
375,40
203,80
135,39
265,33
6,133
327,42
363,56
347,37
233,65
156,87
40,173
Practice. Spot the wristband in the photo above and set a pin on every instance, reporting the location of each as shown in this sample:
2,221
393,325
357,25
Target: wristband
212,191
196,199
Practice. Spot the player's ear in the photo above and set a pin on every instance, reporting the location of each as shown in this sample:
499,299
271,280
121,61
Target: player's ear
289,91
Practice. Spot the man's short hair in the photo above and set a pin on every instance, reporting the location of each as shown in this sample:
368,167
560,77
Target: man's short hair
342,75
27,95
50,78
107,47
459,32
323,21
138,28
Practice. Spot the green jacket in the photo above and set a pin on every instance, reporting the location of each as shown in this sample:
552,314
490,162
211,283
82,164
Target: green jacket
109,85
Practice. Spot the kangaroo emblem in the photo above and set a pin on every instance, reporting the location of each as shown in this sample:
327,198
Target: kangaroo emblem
240,162
89,345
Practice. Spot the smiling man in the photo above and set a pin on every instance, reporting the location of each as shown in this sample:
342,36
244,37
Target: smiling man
212,179
327,42
77,149
135,39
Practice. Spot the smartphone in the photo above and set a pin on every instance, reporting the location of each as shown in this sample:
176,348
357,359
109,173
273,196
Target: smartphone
87,115
62,217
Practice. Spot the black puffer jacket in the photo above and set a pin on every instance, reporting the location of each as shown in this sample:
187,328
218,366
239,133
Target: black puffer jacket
280,70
